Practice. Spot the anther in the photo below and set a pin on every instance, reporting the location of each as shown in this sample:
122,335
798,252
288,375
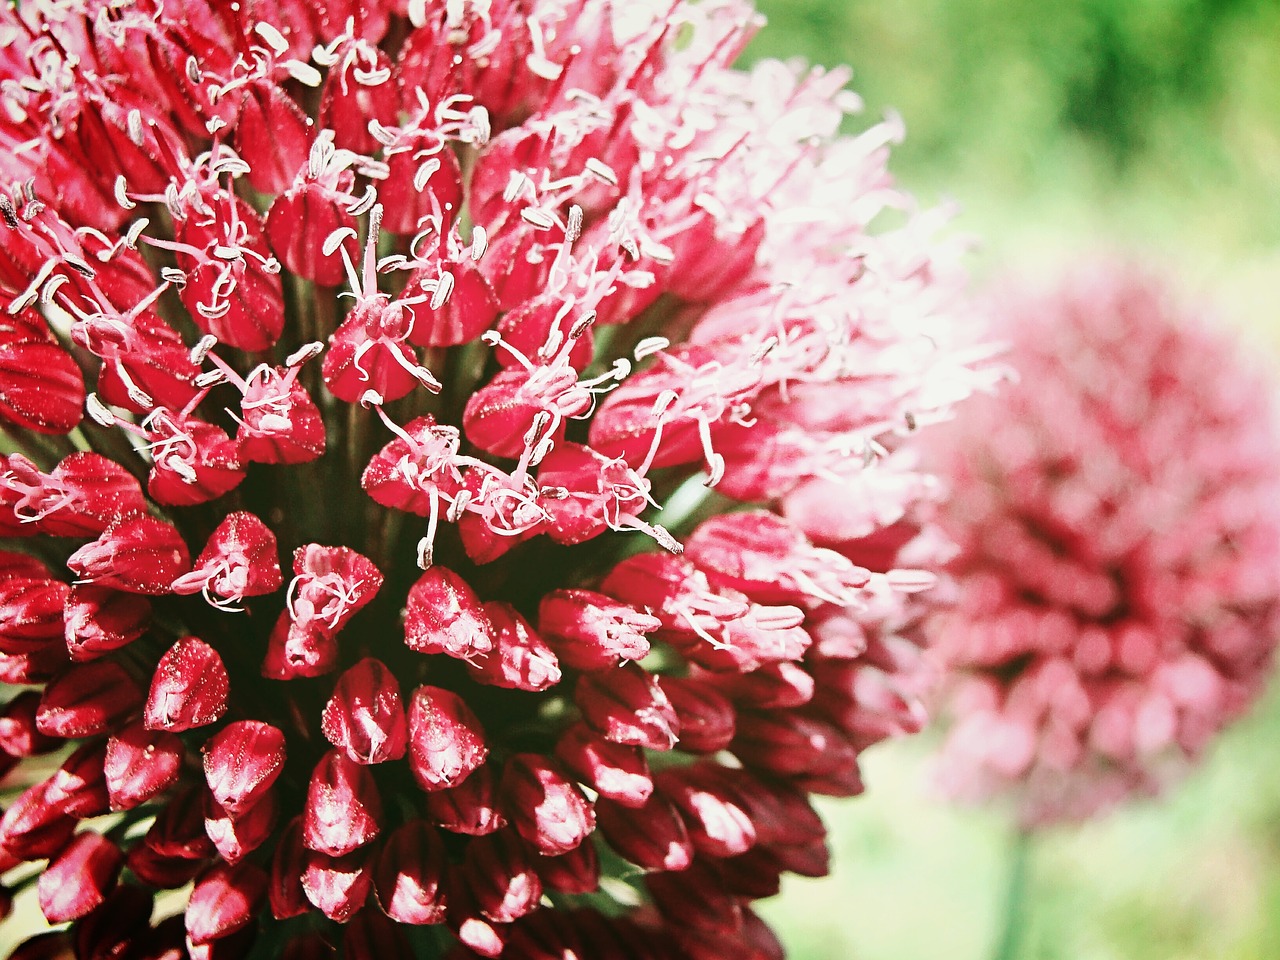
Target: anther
202,348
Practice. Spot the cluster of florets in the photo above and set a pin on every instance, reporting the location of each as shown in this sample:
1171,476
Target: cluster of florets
1118,523
427,302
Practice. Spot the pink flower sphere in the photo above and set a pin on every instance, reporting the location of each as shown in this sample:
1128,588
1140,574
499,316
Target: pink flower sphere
462,491
1117,515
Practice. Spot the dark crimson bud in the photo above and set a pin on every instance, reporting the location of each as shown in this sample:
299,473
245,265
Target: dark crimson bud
164,873
238,561
44,946
519,660
189,688
308,946
30,613
344,810
706,717
775,686
287,865
236,837
225,899
443,615
32,667
614,770
371,936
577,871
628,706
87,699
137,554
544,805
79,787
274,136
590,631
19,735
476,932
652,836
179,828
719,823
446,741
408,873
337,886
241,762
792,745
365,717
301,218
79,878
141,763
471,807
98,620
498,869
117,928
33,827
696,898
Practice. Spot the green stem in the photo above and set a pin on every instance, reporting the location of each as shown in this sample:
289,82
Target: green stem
1015,902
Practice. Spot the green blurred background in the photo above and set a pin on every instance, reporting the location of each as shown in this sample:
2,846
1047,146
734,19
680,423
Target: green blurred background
1151,127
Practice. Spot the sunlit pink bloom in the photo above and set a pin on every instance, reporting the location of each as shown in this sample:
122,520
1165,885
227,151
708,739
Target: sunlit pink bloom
389,374
1118,521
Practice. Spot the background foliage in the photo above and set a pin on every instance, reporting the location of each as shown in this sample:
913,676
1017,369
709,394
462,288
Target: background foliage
1146,126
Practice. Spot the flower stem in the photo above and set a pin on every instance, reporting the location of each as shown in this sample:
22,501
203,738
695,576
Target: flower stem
1015,902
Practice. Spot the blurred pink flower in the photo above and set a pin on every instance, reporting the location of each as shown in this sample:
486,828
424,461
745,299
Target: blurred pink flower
388,319
1117,513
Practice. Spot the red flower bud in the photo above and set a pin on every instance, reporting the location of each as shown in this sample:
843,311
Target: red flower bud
360,87
408,872
19,735
80,497
41,386
706,717
792,745
628,706
140,764
577,871
189,688
343,808
43,946
364,717
78,788
544,805
161,872
443,615
87,699
33,827
371,936
719,824
98,620
117,928
337,886
80,878
241,762
30,613
775,686
274,136
652,836
590,631
285,892
614,770
238,561
32,667
236,837
225,899
696,898
137,554
519,660
179,828
498,869
475,931
471,807
299,221
446,741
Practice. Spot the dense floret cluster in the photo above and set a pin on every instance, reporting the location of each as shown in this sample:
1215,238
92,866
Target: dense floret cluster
461,494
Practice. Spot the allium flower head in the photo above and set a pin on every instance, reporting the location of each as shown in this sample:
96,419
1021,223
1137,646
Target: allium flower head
1118,522
366,368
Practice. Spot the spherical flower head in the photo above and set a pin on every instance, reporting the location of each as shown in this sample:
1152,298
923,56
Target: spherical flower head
1117,514
424,415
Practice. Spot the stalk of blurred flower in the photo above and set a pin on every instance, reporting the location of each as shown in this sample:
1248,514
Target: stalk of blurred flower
521,273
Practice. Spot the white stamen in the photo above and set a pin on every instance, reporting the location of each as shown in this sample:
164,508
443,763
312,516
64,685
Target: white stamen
304,353
202,348
601,170
122,197
98,411
304,73
649,346
274,39
479,242
443,289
